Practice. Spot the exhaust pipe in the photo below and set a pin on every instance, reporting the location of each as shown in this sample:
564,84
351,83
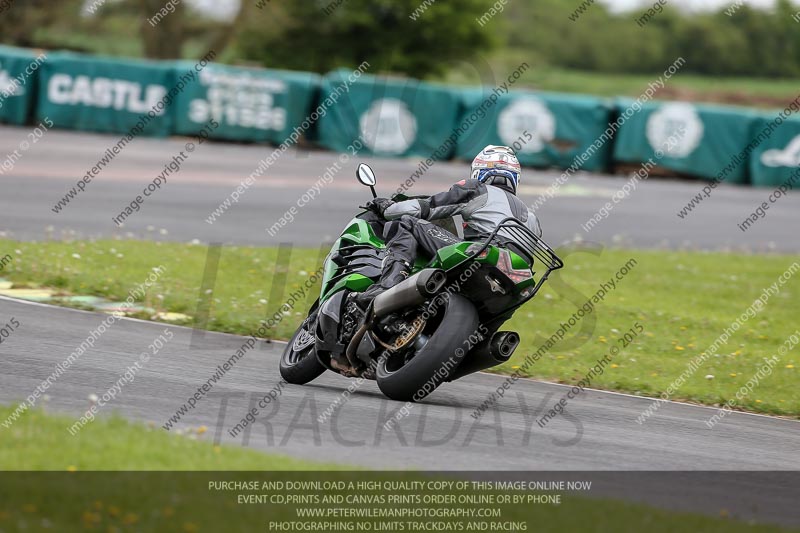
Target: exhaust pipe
485,355
423,285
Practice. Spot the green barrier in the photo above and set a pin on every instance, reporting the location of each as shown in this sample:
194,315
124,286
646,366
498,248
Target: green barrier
701,141
253,105
544,129
391,117
19,73
388,117
105,94
776,158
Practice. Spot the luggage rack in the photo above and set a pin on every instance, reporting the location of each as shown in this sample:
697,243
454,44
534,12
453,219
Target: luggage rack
524,242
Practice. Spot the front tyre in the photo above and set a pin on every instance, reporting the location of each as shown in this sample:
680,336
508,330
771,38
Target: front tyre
299,364
437,354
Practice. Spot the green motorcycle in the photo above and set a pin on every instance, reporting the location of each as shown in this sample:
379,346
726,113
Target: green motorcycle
440,324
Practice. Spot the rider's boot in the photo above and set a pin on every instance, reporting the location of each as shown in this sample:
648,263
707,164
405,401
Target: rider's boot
393,272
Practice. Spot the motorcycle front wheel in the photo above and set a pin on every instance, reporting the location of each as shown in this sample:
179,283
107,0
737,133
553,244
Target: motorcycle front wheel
411,375
299,364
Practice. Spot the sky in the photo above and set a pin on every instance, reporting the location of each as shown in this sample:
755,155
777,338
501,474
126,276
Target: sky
227,8
622,5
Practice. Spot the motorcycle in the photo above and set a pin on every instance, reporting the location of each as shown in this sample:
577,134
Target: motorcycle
439,324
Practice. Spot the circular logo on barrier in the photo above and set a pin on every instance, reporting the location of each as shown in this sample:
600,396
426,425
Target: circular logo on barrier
388,126
676,129
9,86
783,157
527,114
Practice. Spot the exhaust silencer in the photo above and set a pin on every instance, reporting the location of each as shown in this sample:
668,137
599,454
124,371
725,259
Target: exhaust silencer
485,355
425,284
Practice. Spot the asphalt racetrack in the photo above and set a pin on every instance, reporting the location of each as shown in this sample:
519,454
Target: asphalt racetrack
599,430
179,209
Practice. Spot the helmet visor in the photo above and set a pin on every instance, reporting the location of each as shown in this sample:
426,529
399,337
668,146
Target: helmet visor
488,175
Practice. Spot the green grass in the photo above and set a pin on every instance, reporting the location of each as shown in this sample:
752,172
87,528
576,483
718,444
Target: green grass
684,301
40,441
66,498
731,90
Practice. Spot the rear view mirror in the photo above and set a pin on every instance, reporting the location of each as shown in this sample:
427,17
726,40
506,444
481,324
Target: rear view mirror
365,175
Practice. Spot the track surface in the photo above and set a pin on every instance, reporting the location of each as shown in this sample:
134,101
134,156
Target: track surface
46,171
600,433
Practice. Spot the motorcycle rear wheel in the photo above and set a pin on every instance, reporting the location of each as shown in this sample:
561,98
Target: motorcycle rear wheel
412,379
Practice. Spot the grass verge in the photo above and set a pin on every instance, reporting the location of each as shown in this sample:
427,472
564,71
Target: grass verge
683,301
40,441
751,92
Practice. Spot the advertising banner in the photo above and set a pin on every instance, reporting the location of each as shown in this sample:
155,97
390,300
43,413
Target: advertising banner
19,74
105,94
696,140
251,105
390,117
544,129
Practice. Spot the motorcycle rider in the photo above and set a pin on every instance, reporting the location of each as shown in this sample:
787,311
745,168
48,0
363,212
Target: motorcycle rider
483,201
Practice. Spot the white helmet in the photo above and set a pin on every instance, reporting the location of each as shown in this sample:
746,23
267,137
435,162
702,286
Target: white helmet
497,165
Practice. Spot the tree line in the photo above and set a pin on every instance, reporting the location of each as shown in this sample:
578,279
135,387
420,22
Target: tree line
320,35
748,42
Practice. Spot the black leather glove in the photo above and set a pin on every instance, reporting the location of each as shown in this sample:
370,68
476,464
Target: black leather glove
379,205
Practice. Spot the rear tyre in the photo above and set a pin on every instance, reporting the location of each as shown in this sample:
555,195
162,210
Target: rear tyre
299,364
411,377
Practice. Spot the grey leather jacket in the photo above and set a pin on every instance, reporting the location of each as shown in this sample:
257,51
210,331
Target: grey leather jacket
482,207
